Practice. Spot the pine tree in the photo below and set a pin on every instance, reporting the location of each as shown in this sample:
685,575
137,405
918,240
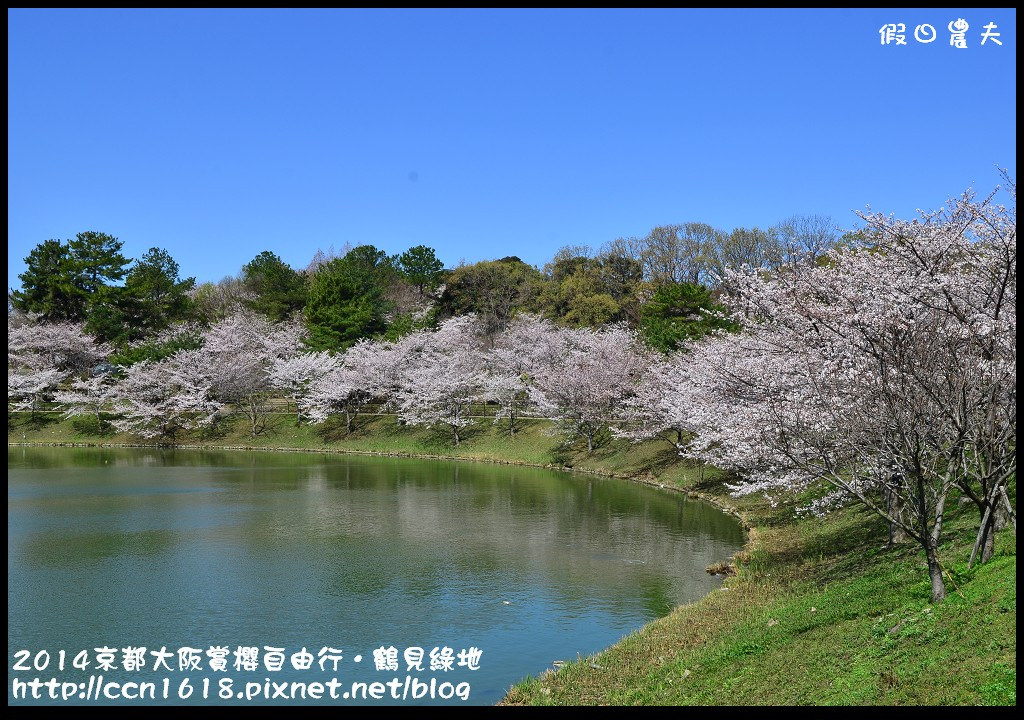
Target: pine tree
46,286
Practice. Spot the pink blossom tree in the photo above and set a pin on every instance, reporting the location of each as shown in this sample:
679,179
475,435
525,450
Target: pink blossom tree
510,366
240,351
587,382
162,399
64,345
966,259
888,372
661,404
28,388
89,396
42,355
379,366
345,389
442,376
298,375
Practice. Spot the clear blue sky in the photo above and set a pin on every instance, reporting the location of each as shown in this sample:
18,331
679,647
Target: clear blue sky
217,134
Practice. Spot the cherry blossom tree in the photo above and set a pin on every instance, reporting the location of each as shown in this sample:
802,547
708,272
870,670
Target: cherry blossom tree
594,373
162,399
27,388
345,388
443,376
527,344
888,372
90,396
968,264
511,393
383,365
298,374
240,351
64,346
785,412
42,355
660,406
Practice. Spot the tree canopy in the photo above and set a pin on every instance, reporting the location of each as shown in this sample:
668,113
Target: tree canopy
346,299
421,267
275,289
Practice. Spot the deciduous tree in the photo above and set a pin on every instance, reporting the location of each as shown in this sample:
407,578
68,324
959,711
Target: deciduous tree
594,373
888,372
162,399
298,374
239,352
444,378
88,396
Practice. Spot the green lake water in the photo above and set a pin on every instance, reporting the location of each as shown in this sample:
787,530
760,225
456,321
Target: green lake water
167,549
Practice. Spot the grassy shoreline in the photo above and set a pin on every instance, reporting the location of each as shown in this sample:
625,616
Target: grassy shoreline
820,612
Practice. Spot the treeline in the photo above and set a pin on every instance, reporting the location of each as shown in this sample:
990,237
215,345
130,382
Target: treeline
664,284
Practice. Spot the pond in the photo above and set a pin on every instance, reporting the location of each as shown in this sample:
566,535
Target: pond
172,549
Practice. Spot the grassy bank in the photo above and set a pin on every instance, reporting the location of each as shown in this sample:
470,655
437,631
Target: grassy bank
820,612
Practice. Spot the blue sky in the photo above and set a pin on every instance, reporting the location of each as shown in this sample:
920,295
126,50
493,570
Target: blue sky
217,134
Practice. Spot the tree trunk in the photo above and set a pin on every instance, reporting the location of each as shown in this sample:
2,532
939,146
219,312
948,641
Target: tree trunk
1000,515
994,518
891,501
897,535
935,572
988,548
455,429
931,545
1009,508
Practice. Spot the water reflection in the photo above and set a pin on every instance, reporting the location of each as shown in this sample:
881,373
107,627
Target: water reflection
161,547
